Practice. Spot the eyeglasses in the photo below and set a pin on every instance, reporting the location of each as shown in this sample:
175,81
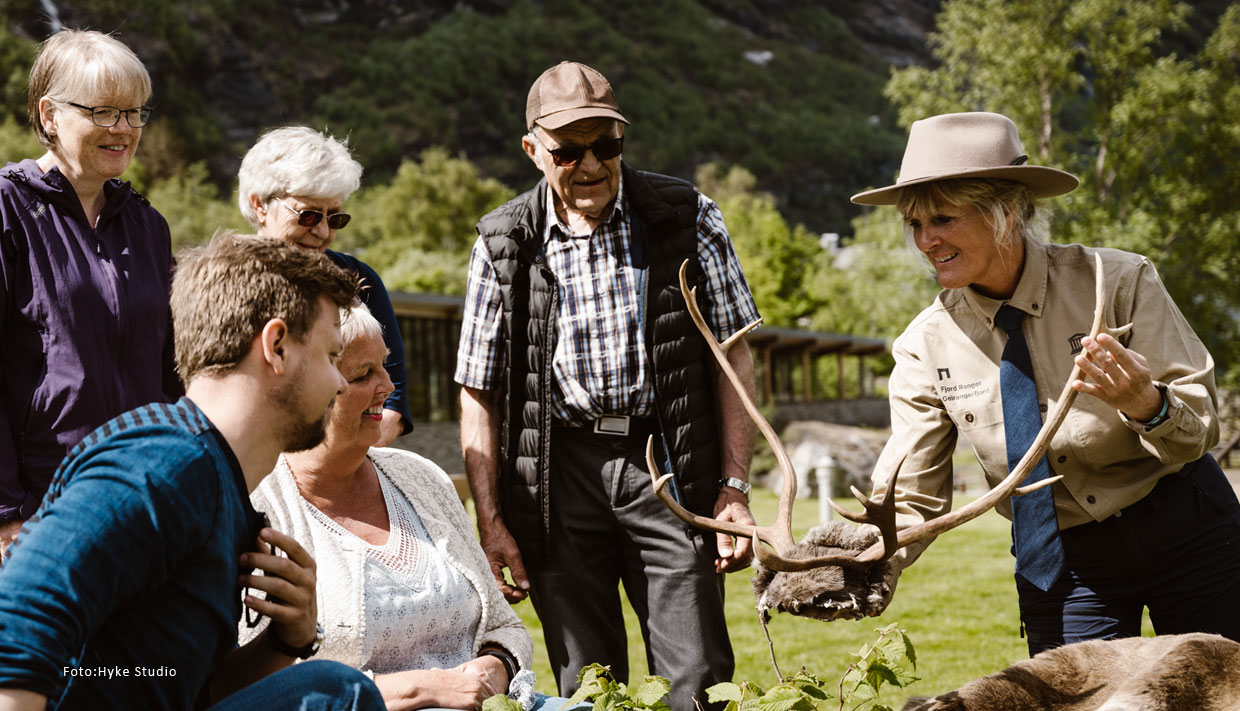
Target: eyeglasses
311,218
570,155
109,116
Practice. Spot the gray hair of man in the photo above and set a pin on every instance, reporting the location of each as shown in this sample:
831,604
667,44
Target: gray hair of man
296,160
82,65
356,321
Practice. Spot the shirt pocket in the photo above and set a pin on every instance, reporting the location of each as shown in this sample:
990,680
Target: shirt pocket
982,424
1099,437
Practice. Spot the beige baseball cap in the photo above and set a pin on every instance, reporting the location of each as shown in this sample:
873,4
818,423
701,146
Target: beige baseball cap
975,144
567,92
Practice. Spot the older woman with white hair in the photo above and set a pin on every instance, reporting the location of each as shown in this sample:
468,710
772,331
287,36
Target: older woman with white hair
1141,515
293,184
85,268
405,591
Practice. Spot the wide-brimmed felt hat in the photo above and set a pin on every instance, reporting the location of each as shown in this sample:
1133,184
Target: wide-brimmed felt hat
568,92
968,145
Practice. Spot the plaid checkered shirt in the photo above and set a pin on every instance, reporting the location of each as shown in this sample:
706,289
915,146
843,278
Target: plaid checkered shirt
600,365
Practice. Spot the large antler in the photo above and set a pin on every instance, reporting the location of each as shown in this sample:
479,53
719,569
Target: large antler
881,513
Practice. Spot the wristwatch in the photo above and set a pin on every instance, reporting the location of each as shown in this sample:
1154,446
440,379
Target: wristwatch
273,639
739,484
510,663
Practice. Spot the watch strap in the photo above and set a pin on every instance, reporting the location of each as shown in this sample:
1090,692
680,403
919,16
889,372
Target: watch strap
509,662
279,645
739,484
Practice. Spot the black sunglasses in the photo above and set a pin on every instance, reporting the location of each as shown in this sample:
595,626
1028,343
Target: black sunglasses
570,155
311,218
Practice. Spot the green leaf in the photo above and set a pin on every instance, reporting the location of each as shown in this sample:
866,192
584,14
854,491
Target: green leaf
811,689
752,690
500,702
793,703
727,691
908,649
651,690
781,691
879,673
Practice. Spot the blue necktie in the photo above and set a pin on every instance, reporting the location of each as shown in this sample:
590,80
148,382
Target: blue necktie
1035,530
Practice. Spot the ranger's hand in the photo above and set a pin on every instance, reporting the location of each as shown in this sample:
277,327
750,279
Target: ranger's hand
1120,377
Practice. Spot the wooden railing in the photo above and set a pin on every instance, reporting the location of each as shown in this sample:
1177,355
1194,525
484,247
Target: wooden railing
1223,452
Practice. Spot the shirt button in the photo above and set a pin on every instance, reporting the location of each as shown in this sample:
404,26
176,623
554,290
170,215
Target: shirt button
968,417
1042,409
1090,499
1035,306
1062,459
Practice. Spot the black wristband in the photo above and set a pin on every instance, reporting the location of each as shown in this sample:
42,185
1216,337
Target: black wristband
509,662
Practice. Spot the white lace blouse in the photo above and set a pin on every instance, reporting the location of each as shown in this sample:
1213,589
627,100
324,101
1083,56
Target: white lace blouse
347,580
420,611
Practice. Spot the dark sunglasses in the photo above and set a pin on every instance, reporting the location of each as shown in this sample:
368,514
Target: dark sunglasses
311,218
570,155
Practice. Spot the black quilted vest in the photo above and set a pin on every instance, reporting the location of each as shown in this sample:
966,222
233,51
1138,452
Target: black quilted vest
679,358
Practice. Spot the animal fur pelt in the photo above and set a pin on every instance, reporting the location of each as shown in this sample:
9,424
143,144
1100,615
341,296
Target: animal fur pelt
831,592
1200,672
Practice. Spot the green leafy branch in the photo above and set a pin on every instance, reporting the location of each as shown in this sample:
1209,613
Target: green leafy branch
891,659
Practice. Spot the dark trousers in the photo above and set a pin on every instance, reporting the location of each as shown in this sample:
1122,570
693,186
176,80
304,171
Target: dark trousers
608,528
1177,552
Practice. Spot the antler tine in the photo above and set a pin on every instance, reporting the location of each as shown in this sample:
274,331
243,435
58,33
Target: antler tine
881,514
660,480
778,533
1008,487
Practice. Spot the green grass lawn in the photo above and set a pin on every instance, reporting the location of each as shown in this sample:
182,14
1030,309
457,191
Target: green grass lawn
957,604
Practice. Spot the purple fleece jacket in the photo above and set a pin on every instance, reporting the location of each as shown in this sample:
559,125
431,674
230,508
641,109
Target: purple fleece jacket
85,330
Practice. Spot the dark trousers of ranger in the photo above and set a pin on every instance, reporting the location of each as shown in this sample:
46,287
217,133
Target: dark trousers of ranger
1177,552
608,528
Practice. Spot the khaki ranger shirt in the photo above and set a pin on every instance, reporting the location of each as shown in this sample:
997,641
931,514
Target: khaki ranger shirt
946,382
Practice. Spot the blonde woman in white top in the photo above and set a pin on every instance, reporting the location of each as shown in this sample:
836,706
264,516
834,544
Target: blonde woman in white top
405,592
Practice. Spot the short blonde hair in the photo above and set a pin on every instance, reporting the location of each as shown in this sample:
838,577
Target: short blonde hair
74,64
998,200
296,160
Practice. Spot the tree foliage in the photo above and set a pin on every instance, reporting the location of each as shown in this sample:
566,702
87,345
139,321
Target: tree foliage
418,229
778,257
1093,90
192,206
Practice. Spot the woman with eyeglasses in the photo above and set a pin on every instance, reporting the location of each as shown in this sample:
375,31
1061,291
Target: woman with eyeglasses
85,268
292,185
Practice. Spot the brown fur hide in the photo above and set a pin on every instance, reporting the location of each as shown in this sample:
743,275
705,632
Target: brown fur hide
831,592
1189,672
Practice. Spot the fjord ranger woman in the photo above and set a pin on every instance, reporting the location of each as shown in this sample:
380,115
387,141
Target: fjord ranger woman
1143,516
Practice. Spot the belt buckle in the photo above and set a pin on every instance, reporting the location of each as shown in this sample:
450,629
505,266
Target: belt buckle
614,425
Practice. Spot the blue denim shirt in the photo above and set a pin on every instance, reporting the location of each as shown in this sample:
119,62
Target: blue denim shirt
121,592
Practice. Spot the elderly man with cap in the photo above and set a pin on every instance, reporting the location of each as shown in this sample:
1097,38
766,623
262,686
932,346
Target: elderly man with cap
1142,516
576,347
